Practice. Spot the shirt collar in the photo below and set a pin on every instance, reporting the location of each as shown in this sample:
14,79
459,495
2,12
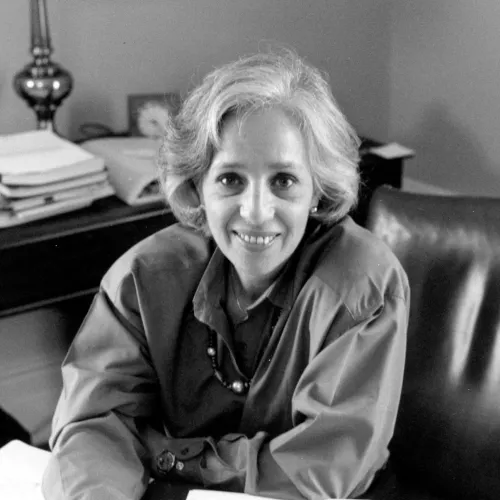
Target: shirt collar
211,291
291,278
210,294
281,291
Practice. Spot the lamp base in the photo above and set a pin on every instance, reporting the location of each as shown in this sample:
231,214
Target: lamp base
43,84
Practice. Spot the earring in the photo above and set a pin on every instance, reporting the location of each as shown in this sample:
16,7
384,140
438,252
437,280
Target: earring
202,214
313,210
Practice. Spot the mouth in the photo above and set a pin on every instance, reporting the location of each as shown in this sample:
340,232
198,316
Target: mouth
258,240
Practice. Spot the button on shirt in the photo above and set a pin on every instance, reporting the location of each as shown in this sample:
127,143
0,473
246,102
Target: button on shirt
326,383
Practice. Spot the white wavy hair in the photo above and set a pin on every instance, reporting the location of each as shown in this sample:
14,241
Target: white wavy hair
264,80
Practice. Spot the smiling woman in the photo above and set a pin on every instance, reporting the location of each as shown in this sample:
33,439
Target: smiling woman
258,195
257,345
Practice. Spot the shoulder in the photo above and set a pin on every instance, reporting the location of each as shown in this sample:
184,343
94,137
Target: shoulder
359,269
174,257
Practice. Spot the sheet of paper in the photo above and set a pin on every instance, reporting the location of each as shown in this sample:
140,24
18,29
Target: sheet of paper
392,151
131,167
20,492
20,462
225,495
21,471
219,495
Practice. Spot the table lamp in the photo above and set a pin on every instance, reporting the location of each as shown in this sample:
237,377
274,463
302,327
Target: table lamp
43,84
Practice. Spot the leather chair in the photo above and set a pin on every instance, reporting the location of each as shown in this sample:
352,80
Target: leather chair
447,438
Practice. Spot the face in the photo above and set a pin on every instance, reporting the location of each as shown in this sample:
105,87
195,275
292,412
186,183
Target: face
258,193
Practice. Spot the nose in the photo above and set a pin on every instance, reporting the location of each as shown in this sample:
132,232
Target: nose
257,205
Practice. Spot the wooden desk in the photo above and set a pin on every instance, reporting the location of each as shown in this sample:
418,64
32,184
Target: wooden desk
64,257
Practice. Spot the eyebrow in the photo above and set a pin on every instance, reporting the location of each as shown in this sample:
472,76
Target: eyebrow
275,166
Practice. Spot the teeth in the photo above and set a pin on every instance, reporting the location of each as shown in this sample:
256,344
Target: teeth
256,240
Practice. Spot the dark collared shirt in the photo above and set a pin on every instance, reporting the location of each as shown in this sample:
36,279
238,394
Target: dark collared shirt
325,388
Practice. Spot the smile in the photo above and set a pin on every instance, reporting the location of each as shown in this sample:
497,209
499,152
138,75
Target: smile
256,240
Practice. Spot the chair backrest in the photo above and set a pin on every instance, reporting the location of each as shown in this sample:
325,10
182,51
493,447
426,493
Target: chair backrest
448,429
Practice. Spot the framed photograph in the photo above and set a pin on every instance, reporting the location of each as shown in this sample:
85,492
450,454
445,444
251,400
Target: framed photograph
147,112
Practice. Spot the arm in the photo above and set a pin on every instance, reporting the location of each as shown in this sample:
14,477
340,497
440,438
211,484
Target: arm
346,403
344,409
108,383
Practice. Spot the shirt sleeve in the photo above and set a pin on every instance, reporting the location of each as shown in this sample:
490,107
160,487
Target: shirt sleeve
97,452
344,410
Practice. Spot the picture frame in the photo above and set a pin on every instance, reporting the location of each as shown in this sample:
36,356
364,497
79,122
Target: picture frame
147,112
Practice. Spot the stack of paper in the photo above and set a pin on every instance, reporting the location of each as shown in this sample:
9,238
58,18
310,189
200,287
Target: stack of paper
42,175
131,163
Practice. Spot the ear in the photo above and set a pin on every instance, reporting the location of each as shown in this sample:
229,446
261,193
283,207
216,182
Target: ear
199,191
189,194
315,200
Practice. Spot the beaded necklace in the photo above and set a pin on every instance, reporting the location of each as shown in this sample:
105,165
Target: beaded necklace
238,386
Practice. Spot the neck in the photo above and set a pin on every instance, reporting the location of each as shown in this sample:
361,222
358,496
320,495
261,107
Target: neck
248,291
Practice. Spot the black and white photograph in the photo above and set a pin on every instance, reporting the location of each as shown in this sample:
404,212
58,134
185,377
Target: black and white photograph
249,250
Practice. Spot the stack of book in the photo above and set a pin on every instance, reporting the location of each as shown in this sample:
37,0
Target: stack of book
42,175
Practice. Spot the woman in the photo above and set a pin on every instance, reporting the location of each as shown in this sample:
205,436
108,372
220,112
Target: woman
258,345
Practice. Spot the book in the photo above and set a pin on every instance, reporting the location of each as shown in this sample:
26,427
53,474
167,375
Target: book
131,165
40,178
52,187
9,218
40,156
93,191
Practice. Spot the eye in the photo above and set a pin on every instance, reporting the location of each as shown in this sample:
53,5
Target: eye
229,180
284,181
